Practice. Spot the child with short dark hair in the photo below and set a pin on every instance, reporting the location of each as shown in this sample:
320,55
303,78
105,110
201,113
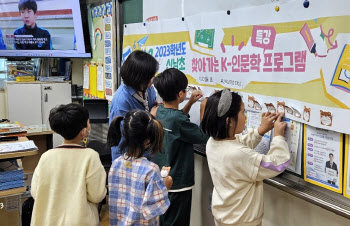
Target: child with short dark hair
236,169
179,136
137,192
30,36
69,180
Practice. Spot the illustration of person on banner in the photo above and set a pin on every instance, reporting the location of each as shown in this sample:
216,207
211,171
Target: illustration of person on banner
30,36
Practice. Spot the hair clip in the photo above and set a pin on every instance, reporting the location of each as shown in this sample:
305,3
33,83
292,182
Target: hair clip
224,102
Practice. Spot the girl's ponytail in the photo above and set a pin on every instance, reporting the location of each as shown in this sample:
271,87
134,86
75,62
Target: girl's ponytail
114,132
155,134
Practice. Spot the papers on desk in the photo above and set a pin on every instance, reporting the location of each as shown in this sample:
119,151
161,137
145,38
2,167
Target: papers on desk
8,126
12,129
17,147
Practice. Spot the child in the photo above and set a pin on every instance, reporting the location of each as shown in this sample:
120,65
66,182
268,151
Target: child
180,135
40,38
69,180
137,92
236,169
137,194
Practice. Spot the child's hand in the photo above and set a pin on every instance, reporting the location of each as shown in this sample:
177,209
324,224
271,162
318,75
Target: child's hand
168,180
280,126
166,171
267,122
195,96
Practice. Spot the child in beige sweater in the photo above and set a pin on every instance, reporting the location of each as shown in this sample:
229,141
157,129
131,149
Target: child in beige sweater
69,180
236,169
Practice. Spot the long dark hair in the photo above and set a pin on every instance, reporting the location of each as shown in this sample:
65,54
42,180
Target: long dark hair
215,126
138,126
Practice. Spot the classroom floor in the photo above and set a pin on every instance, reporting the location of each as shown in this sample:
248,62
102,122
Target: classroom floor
104,215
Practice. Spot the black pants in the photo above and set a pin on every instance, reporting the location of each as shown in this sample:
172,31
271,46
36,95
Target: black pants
179,211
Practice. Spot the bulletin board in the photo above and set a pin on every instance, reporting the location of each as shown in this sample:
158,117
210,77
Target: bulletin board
98,72
295,62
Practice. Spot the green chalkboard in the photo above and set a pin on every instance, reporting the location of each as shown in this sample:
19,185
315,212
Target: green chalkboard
132,11
205,38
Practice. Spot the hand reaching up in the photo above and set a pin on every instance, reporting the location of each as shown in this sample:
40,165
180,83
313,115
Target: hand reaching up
267,122
195,96
280,126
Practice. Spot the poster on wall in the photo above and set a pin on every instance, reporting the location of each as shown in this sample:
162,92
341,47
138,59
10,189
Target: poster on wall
102,36
347,168
297,157
323,158
292,136
108,53
295,60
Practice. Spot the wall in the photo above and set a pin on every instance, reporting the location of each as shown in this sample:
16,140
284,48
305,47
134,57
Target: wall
77,71
200,213
132,11
166,9
281,208
77,78
2,104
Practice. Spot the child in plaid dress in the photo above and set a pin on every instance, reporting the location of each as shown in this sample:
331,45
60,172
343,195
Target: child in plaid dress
137,192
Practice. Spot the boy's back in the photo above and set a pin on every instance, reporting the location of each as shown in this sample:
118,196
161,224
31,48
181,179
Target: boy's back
179,136
67,185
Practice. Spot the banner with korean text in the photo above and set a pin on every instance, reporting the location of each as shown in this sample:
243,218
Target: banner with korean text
295,60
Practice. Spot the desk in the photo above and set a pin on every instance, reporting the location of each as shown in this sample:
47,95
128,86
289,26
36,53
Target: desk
9,217
42,137
13,155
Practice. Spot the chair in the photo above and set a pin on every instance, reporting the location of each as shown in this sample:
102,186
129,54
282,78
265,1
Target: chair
98,114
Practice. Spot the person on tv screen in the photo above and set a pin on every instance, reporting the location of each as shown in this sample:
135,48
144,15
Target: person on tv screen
2,41
30,36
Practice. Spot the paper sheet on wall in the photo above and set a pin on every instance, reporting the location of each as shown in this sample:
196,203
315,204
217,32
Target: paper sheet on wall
86,83
347,168
100,78
292,136
323,158
93,79
264,146
298,162
253,121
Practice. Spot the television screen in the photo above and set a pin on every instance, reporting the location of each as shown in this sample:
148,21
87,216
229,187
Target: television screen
44,28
